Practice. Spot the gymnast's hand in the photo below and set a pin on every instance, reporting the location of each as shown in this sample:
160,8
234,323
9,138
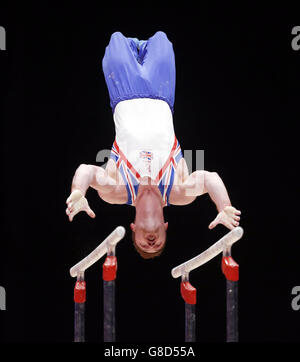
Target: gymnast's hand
228,217
77,202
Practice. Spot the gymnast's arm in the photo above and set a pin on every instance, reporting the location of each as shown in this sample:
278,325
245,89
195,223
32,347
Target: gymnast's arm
96,177
201,182
92,176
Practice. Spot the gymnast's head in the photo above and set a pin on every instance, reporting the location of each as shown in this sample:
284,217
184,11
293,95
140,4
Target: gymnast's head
149,228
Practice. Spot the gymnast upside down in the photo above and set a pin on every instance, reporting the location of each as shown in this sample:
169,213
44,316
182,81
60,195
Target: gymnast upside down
146,168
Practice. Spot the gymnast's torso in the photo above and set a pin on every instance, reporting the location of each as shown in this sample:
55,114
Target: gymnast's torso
140,76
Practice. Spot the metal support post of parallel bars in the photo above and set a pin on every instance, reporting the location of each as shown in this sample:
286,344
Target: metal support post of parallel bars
231,271
109,276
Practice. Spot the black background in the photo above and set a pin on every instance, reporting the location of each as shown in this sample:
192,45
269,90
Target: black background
236,98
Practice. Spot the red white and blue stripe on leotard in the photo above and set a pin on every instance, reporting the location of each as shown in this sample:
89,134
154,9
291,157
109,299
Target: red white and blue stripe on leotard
164,179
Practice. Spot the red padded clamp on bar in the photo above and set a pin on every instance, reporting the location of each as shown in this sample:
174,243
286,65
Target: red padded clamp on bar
80,292
230,268
188,292
110,268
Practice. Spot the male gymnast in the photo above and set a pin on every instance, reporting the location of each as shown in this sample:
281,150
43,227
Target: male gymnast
146,168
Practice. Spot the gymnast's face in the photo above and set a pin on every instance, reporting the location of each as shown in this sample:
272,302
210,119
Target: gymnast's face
150,236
